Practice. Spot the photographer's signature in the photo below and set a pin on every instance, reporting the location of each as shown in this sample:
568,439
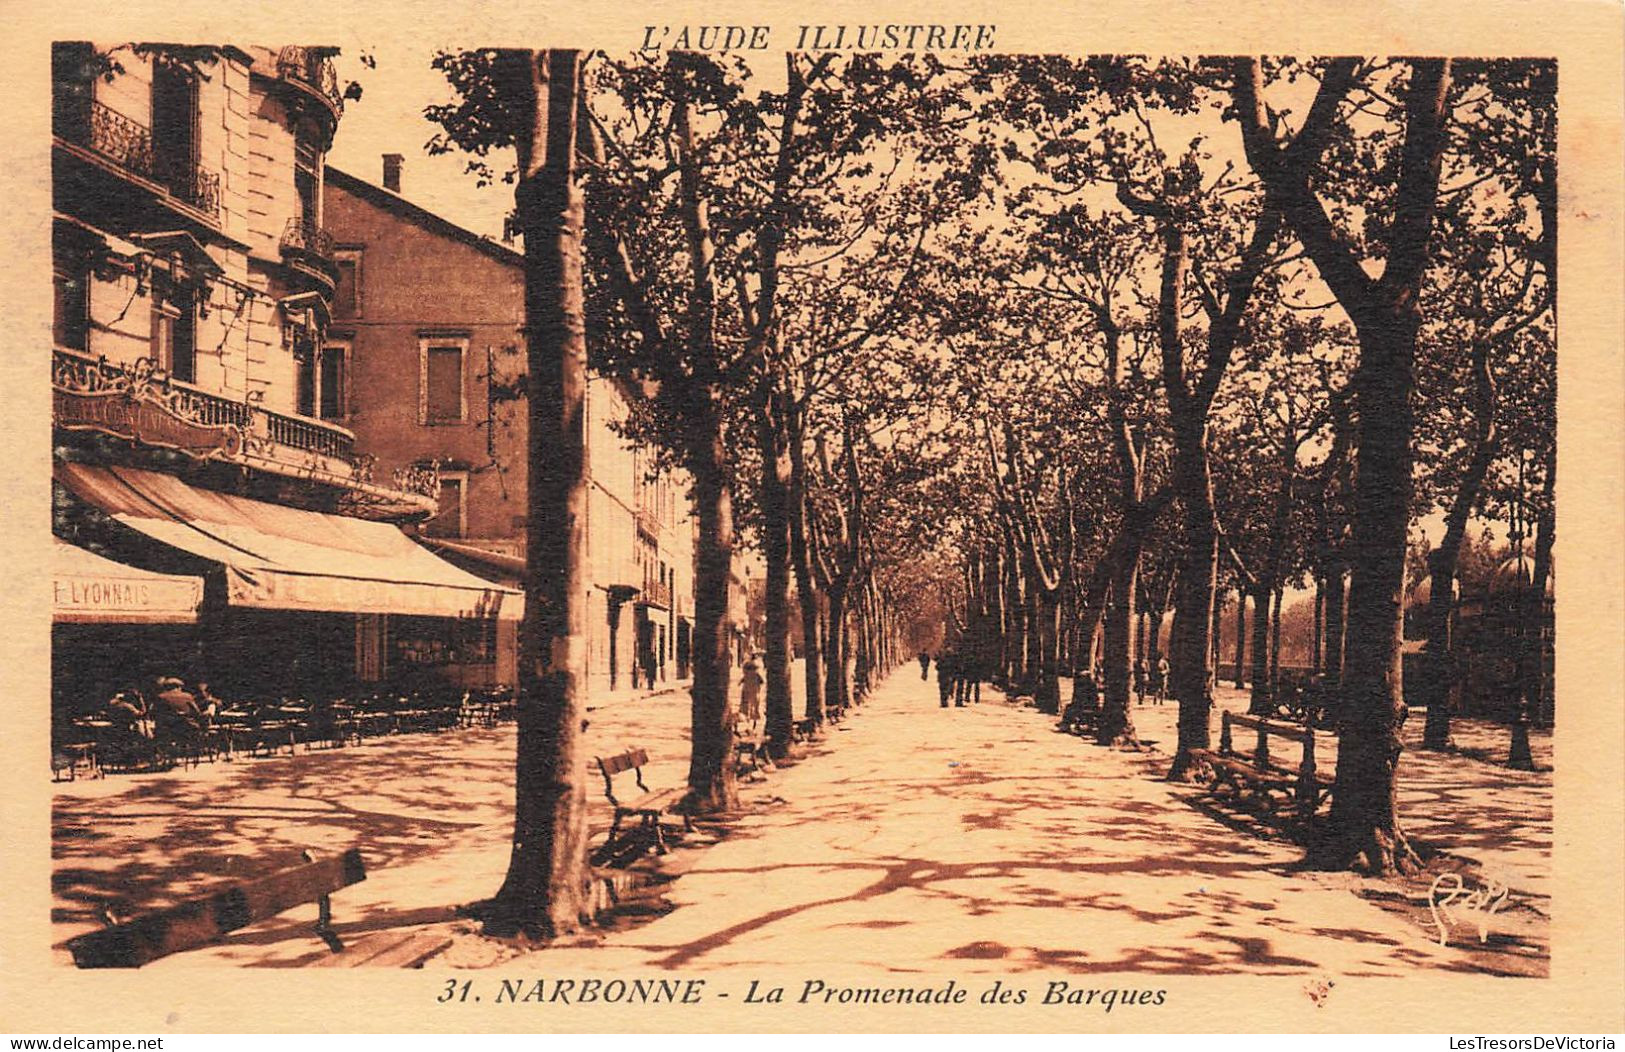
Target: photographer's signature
1453,903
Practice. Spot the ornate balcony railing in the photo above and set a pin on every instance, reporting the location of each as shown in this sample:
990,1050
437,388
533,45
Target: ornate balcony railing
129,145
196,186
152,407
303,433
648,523
120,139
311,68
300,235
657,593
422,479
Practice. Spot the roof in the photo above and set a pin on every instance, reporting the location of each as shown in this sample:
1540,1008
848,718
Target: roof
397,205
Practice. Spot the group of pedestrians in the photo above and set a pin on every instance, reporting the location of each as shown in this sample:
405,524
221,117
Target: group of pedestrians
959,680
957,677
1151,681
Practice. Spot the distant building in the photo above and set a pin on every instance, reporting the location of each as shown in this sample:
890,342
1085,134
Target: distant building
429,315
198,404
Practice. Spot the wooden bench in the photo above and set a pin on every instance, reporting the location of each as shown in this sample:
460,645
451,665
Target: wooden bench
648,807
1255,776
199,922
804,730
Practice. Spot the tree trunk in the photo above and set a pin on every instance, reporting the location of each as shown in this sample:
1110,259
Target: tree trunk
1319,623
1364,829
1336,610
1262,702
1440,687
1195,585
1048,692
1542,614
545,890
1275,639
1116,726
774,503
1241,637
801,555
711,782
836,689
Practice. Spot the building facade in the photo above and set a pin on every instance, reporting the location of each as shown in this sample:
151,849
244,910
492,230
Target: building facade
430,316
198,404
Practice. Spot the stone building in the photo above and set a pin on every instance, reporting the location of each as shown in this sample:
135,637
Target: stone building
197,401
429,317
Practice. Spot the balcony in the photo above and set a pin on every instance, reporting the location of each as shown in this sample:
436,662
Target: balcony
143,404
127,146
655,593
648,524
308,250
310,71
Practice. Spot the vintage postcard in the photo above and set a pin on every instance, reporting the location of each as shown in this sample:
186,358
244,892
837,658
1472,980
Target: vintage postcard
754,518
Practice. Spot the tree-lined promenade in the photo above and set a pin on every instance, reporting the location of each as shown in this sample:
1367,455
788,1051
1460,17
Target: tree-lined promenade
913,840
1009,359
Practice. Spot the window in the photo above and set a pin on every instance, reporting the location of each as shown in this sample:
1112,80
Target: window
305,184
174,124
333,382
452,518
442,399
322,382
304,359
306,181
347,297
174,334
70,318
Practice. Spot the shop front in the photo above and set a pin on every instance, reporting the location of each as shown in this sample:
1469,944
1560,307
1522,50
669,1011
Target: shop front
297,602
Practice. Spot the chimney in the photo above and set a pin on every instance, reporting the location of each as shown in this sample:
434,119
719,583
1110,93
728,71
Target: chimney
392,171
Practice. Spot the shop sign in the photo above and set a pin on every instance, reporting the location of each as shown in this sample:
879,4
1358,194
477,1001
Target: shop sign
74,596
145,420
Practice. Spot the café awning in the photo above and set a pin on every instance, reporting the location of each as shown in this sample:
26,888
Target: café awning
280,558
88,588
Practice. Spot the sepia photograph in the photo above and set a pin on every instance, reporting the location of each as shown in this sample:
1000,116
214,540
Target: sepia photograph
821,526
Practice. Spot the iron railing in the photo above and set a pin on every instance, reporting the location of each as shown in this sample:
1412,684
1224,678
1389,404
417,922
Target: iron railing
309,435
128,144
301,235
312,68
76,371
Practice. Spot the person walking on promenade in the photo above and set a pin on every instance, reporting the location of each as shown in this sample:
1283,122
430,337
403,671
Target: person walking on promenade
925,665
750,693
946,662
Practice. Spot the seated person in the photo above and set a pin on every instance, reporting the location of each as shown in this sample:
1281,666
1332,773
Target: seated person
126,706
177,706
127,710
209,706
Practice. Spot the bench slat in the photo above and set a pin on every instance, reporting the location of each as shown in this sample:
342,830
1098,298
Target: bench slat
201,921
625,761
388,950
655,801
1270,727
